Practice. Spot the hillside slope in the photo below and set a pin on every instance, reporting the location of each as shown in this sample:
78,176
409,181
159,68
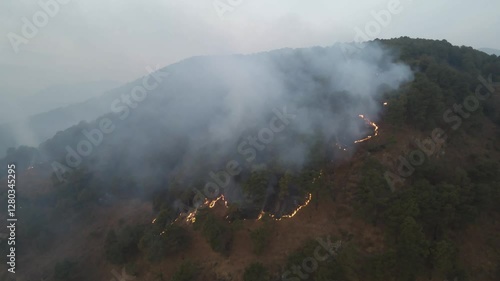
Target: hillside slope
410,191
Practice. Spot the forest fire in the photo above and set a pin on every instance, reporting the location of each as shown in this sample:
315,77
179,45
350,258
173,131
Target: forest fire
319,176
294,212
191,216
262,213
369,122
213,202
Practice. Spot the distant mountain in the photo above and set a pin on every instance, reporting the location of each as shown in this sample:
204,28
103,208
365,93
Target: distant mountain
62,107
209,105
63,95
66,108
41,127
52,97
490,51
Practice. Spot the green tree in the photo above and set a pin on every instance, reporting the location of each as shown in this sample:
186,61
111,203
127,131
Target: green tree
256,186
373,191
123,246
188,271
412,249
256,272
284,184
397,110
260,238
216,231
158,244
443,256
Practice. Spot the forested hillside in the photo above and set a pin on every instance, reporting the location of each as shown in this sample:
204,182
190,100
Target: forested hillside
393,156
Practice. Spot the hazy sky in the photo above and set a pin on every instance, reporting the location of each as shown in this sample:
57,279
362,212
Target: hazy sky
89,40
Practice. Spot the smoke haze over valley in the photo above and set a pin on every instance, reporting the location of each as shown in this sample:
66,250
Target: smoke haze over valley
204,112
233,140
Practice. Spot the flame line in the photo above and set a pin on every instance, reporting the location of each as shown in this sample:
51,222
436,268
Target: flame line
369,122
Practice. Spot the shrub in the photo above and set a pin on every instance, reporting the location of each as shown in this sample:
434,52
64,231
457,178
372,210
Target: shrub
188,271
157,245
216,231
256,272
121,247
260,238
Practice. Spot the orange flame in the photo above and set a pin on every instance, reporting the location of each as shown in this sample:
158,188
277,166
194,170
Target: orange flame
191,217
294,212
262,213
375,128
212,203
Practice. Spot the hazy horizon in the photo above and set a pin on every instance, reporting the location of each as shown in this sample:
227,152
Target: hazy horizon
96,41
